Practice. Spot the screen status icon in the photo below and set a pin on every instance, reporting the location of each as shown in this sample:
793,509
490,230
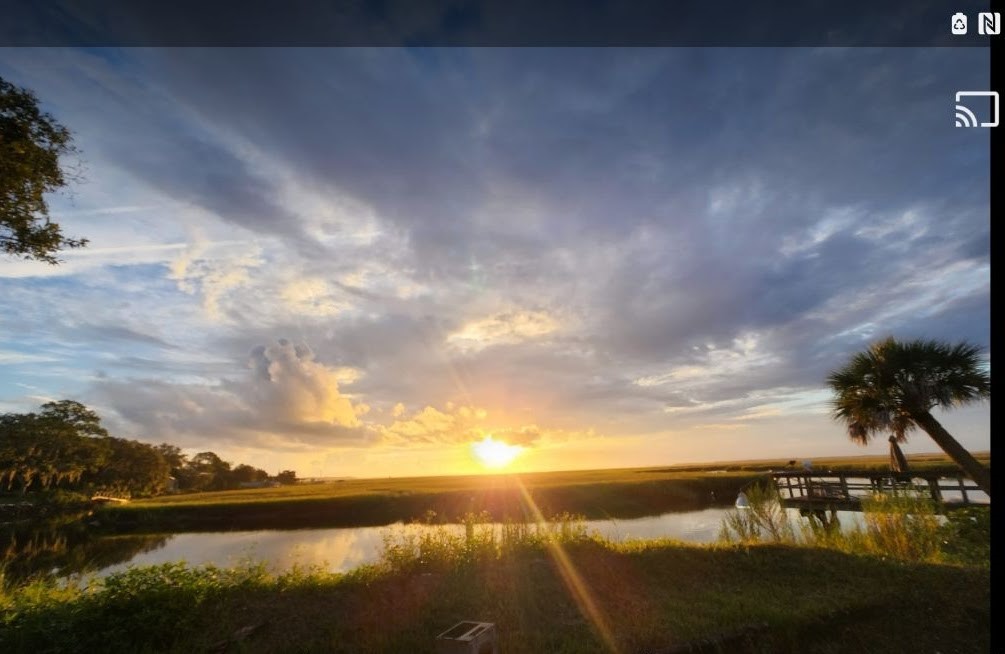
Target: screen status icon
989,23
959,23
967,109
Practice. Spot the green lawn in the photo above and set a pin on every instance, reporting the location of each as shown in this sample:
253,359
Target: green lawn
651,597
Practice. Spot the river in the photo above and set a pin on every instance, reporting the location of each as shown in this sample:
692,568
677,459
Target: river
342,549
74,550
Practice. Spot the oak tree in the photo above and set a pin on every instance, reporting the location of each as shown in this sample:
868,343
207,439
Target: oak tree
32,148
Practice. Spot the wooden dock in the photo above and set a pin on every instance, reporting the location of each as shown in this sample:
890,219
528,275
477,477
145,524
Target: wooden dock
104,498
844,491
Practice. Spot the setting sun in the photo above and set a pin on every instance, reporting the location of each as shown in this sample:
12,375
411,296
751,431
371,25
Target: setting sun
495,454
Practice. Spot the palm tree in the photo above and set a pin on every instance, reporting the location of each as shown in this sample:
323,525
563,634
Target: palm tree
893,386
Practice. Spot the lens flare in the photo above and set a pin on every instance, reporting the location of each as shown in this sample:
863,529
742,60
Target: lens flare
495,454
574,582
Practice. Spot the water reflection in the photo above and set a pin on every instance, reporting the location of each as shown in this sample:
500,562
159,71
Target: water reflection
64,547
342,549
69,549
337,550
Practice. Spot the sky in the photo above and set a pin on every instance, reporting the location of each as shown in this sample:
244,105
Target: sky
359,262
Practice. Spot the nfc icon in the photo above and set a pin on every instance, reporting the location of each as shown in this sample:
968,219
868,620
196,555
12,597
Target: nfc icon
965,117
959,23
989,23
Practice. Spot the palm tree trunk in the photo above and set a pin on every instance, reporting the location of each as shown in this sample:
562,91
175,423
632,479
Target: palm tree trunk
956,452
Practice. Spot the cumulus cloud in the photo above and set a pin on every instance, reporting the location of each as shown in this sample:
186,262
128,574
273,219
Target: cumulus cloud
287,399
289,383
285,395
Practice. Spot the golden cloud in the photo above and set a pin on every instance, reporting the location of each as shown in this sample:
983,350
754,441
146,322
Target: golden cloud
503,328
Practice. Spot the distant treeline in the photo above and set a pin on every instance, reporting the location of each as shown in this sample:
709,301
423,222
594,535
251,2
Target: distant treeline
64,446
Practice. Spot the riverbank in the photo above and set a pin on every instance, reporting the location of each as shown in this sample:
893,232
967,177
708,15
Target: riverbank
594,494
592,597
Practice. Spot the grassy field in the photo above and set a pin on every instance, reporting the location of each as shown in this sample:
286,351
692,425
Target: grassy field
619,493
371,502
393,486
595,597
935,461
536,480
549,587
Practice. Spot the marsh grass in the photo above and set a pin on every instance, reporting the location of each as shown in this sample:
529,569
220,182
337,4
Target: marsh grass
355,503
765,520
903,524
596,494
966,536
156,608
653,596
439,547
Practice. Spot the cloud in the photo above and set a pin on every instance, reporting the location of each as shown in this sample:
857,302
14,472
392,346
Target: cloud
311,297
503,329
119,334
454,424
522,436
572,239
285,396
712,364
76,262
288,400
8,357
290,384
470,424
214,278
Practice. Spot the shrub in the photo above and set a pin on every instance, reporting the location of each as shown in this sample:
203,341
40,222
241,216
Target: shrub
764,520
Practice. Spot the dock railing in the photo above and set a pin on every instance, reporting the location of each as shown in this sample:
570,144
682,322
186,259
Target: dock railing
845,490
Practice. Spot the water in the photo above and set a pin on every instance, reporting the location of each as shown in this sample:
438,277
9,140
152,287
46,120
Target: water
336,550
75,551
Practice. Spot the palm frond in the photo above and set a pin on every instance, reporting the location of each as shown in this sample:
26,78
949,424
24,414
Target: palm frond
882,387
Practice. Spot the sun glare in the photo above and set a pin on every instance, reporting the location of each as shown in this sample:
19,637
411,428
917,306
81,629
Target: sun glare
495,454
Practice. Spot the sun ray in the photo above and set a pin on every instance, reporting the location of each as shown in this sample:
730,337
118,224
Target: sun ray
570,576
